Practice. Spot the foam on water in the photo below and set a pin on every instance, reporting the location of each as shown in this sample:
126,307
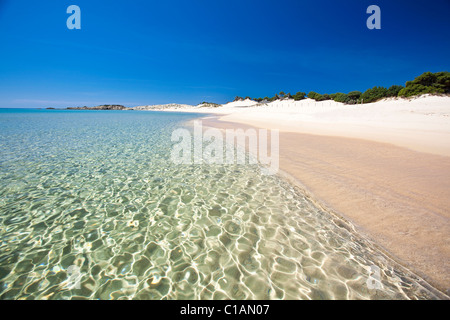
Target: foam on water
97,190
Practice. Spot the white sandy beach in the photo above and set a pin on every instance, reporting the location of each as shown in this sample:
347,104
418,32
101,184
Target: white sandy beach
384,166
421,124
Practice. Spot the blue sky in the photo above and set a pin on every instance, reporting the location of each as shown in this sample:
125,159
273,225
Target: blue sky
150,52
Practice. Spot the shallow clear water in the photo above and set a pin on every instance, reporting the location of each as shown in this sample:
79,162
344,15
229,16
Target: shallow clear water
96,192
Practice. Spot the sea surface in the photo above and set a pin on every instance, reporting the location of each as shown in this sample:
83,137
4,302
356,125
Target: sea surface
92,207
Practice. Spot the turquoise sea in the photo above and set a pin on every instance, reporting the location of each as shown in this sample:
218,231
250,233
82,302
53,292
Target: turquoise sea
91,207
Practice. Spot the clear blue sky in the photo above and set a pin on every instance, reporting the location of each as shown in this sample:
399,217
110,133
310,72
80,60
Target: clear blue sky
147,52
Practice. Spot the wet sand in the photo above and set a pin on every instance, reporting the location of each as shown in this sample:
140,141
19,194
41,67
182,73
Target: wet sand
397,197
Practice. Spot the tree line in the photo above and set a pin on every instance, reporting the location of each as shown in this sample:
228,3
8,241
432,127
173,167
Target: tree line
428,82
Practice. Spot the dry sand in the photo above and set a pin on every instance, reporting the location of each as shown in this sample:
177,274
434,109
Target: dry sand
384,166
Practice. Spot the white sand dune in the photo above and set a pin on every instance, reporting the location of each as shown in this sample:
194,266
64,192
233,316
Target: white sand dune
421,124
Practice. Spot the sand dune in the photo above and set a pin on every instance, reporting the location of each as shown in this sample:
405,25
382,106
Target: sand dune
421,124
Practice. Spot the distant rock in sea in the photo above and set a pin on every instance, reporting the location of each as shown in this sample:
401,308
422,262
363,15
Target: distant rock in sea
102,107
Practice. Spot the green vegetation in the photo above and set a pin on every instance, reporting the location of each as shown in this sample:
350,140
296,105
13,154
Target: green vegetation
339,97
394,90
427,82
434,83
299,96
315,96
374,94
353,97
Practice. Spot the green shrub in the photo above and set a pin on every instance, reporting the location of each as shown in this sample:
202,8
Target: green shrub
316,96
393,91
353,97
443,81
275,97
426,79
374,94
299,96
418,89
339,97
427,82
